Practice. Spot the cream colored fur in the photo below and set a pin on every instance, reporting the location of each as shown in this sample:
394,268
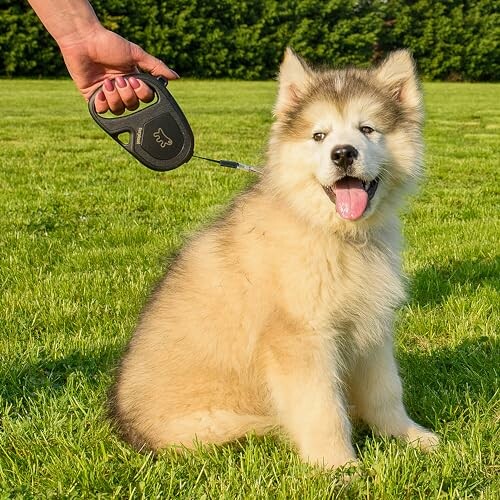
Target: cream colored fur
280,315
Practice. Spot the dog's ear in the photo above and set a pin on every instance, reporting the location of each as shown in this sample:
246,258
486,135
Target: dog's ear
398,74
294,77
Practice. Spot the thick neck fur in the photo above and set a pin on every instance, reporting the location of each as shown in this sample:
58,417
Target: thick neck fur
380,234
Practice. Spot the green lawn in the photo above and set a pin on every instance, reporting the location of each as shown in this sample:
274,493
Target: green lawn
85,231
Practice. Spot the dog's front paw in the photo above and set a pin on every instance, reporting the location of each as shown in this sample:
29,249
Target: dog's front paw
422,438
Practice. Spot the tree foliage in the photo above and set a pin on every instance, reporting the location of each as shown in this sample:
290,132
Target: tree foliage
451,39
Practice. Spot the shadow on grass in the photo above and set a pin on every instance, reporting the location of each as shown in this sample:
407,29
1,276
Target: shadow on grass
432,285
442,379
439,386
23,382
440,382
436,380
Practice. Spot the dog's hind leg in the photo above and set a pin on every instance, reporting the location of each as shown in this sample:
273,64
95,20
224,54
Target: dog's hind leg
377,395
215,426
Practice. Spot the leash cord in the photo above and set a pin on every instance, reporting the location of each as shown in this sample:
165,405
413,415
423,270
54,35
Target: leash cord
232,164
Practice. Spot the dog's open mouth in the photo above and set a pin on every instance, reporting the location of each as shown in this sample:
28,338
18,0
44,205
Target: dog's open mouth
351,196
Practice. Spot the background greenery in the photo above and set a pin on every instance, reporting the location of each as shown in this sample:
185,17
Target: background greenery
451,39
84,234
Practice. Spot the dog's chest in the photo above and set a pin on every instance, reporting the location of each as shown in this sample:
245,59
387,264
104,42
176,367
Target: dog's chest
344,284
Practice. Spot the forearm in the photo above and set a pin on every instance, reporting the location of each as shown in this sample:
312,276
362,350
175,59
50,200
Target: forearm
96,57
68,21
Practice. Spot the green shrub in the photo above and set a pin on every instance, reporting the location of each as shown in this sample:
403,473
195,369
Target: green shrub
451,39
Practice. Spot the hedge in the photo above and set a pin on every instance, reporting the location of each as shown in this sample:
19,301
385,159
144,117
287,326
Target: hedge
451,40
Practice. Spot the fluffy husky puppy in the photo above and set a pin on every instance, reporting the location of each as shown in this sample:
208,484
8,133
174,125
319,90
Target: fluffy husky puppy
281,313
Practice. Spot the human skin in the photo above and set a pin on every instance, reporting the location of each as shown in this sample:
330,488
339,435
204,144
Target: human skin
98,57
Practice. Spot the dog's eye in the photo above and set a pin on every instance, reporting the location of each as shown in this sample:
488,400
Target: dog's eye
319,136
365,129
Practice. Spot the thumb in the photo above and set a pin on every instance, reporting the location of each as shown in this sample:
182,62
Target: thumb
151,64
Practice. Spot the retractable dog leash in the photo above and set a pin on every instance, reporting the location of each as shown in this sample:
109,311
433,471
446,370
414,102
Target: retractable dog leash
159,135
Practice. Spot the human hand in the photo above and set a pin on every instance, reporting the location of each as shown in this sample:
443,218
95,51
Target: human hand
103,58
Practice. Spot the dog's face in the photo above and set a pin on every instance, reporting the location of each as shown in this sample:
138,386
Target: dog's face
346,143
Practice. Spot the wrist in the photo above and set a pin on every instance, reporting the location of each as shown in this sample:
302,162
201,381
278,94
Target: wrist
68,21
80,32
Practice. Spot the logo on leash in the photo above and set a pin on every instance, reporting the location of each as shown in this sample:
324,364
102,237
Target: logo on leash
162,139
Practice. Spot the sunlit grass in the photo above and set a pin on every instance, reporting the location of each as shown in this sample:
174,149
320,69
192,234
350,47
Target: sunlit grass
85,231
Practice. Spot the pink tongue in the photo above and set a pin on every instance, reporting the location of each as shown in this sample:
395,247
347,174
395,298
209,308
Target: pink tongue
350,198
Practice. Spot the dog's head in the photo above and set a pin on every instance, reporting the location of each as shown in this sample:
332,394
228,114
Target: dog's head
346,144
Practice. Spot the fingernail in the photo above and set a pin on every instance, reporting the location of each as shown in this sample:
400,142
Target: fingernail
134,82
108,85
120,81
101,96
176,75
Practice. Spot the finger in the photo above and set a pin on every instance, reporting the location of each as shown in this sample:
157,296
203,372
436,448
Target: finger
113,98
100,103
151,64
142,91
127,94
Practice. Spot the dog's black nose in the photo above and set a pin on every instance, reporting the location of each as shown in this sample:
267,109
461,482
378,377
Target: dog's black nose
344,155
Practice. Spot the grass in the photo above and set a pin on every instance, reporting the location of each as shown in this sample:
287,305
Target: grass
85,231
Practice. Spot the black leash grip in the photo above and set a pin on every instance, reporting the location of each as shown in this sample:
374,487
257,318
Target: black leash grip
160,136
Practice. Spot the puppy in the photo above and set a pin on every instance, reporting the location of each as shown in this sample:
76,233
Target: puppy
281,313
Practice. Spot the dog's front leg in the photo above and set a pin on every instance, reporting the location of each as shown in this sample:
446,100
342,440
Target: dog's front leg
377,395
305,390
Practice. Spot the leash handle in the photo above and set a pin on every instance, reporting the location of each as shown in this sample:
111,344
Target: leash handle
160,136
